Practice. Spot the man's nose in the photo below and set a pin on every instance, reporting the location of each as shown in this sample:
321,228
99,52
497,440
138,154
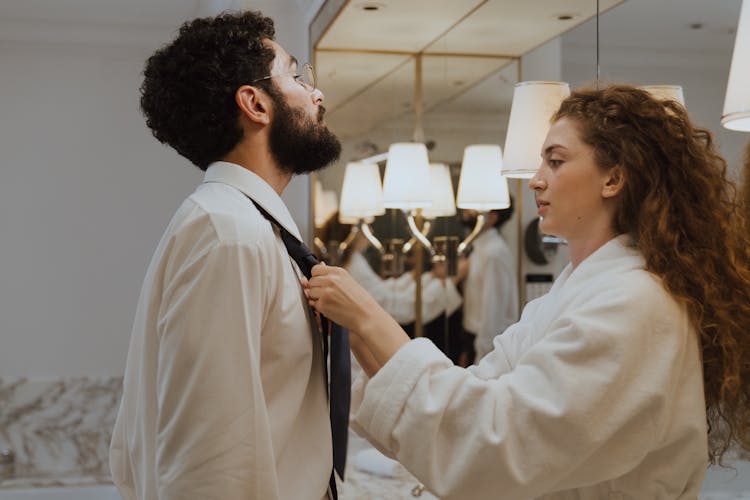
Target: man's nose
317,96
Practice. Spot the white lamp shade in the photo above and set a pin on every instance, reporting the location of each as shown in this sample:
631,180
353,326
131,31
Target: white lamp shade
533,105
326,203
354,220
407,173
736,115
481,186
666,92
441,188
361,192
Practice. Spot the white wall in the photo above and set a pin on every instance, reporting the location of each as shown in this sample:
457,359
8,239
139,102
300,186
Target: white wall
85,195
702,75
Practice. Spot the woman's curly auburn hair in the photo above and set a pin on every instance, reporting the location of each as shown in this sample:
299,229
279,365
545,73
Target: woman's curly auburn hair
685,218
746,190
189,85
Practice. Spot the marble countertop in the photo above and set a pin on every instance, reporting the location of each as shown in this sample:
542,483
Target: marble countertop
362,485
359,484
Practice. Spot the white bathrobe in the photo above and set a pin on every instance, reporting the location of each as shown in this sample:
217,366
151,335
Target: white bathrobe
596,393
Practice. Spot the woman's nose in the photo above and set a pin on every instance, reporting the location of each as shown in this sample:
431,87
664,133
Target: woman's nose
536,182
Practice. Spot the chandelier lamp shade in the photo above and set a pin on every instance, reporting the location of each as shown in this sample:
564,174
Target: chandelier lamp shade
407,171
361,192
736,114
534,103
482,186
441,191
666,92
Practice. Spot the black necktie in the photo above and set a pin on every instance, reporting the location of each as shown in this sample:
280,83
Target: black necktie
340,377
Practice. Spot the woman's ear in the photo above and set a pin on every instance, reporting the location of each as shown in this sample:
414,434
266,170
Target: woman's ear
254,104
613,182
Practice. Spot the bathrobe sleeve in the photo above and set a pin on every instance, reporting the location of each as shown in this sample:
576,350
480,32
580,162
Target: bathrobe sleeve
579,407
213,434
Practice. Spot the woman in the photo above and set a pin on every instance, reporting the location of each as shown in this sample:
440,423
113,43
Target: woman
630,375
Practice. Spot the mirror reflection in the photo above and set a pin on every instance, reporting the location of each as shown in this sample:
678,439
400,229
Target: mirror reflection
450,85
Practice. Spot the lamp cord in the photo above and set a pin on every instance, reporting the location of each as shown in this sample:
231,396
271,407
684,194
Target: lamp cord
597,44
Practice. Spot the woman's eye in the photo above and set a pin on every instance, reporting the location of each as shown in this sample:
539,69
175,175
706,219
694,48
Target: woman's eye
554,163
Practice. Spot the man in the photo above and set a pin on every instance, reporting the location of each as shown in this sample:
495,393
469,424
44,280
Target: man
225,386
490,289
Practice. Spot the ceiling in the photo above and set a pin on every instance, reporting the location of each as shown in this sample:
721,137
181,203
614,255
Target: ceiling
365,56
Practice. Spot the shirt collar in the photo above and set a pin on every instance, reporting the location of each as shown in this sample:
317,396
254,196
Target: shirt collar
255,187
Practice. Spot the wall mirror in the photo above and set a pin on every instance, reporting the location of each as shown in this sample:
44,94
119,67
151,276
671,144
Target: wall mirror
472,55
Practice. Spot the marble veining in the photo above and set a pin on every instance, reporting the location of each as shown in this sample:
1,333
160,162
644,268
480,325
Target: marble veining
58,428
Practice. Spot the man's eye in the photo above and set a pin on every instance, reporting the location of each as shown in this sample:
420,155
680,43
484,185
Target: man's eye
298,79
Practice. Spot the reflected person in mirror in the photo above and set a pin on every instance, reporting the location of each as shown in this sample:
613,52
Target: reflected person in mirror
397,294
225,393
630,376
490,289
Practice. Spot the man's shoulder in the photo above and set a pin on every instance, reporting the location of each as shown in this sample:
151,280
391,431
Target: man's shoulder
228,214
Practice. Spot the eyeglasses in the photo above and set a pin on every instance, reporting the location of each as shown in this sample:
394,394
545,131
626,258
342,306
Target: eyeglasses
306,77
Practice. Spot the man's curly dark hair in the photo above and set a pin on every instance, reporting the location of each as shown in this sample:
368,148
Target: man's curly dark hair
189,85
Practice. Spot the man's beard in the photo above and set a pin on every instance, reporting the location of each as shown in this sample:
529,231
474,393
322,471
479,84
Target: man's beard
298,143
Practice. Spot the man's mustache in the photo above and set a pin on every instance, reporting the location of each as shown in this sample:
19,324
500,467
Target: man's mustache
321,113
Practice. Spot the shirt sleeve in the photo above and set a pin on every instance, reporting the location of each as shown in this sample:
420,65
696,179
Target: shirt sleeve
397,295
500,304
581,406
213,433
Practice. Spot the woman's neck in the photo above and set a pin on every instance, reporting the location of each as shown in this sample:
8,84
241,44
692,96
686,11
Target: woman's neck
580,249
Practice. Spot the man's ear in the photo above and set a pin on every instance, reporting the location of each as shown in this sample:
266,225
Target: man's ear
254,104
613,182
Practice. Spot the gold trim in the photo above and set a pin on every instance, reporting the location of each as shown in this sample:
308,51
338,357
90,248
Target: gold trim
412,53
368,51
476,55
335,18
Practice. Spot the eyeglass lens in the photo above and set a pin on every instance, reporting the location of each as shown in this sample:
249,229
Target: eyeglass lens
308,76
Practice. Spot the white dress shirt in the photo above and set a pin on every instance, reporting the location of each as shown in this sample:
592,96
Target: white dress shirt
224,390
490,290
596,393
396,295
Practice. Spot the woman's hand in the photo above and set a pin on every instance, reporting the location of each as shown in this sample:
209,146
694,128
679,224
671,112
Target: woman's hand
333,292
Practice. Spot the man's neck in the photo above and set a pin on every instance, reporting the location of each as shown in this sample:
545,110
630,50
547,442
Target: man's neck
260,162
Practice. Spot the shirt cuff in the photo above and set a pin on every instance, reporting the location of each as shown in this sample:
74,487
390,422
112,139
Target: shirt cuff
385,395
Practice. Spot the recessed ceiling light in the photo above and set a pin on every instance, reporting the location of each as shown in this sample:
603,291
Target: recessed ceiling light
371,6
695,26
568,16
